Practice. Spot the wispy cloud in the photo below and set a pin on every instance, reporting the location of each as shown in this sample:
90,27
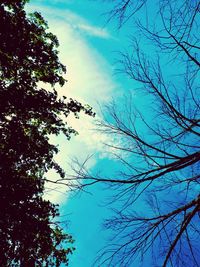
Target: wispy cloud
81,24
94,31
89,80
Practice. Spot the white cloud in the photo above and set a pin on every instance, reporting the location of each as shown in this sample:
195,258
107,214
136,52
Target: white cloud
89,80
88,74
94,31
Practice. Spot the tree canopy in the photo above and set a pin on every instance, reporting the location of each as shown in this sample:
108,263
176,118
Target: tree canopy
29,232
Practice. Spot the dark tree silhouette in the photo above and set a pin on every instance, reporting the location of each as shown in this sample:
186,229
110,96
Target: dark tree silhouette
157,147
29,232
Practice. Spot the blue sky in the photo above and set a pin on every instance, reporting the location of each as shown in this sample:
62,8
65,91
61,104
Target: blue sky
88,47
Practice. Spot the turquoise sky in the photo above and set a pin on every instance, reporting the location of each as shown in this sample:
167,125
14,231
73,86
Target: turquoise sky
89,48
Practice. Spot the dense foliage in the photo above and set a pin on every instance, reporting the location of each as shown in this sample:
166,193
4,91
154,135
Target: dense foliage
29,235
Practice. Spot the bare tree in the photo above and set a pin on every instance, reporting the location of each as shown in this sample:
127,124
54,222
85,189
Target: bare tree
123,10
158,147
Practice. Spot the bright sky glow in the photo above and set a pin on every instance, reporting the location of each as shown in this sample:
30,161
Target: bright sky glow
89,74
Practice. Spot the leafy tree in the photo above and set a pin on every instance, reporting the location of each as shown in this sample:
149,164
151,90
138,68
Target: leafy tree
29,233
157,148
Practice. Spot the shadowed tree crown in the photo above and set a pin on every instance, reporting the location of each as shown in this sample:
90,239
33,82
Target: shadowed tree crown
29,234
